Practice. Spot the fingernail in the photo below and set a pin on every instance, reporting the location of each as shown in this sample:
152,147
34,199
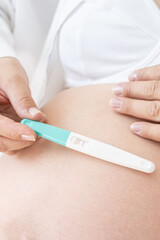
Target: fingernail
33,111
118,90
116,103
136,128
132,77
28,138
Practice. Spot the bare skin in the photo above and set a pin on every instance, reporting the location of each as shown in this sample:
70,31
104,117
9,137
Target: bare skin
16,103
50,192
157,2
141,98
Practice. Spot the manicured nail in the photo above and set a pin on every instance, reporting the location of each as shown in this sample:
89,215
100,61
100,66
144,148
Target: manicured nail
28,138
33,111
132,77
116,103
118,90
136,128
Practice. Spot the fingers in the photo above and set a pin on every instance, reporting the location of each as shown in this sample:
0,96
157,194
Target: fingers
144,85
15,86
9,145
146,130
22,102
149,110
144,74
14,136
3,98
11,153
147,90
16,131
15,91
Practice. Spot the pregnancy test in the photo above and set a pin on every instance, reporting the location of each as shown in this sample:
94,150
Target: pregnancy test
90,146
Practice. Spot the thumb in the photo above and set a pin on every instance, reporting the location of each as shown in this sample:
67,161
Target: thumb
20,97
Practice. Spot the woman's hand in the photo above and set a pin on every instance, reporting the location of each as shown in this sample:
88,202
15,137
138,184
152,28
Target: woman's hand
141,98
15,103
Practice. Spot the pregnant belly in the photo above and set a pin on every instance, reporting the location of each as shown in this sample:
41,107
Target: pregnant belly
50,192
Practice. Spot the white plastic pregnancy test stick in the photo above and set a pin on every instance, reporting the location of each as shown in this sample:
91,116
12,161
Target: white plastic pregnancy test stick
90,146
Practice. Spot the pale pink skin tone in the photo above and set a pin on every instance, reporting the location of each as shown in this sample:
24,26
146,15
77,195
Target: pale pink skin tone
16,103
50,192
15,92
157,2
146,87
141,98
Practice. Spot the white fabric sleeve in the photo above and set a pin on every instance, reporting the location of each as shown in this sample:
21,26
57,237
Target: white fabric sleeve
7,21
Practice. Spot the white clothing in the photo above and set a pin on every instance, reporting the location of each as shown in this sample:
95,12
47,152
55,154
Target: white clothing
142,16
100,40
24,26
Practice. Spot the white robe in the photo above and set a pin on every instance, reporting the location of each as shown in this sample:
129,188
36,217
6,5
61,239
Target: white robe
29,30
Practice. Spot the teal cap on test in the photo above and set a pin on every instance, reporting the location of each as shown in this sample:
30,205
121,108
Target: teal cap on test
48,132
